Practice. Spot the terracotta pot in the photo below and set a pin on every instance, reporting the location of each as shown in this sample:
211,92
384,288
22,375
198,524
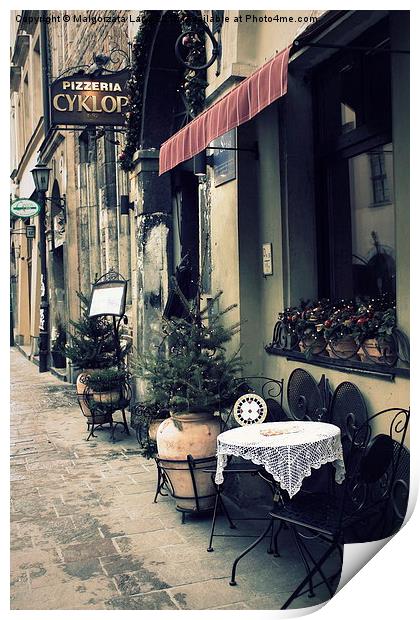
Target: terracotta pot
317,346
369,352
80,388
107,398
378,351
153,428
344,348
186,434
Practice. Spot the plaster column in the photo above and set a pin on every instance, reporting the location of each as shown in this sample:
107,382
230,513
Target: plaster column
152,197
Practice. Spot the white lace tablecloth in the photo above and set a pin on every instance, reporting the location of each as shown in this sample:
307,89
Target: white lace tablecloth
289,455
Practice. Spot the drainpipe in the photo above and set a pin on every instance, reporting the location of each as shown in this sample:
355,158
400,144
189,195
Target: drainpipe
45,73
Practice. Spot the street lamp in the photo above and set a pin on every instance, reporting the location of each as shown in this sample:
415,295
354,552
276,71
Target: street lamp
41,176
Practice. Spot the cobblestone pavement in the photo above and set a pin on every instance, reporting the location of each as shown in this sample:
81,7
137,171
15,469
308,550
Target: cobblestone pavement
85,533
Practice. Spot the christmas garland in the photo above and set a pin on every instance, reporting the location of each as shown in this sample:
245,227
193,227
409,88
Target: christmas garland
194,84
141,50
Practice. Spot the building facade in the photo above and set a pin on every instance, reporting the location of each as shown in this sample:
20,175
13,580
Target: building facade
317,179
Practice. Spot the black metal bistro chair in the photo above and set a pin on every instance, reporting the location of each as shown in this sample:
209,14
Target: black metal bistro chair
348,411
307,399
370,505
270,391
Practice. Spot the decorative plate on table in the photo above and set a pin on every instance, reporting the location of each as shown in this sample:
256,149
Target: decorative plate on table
250,409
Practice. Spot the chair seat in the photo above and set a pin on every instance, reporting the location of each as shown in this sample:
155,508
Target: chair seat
319,512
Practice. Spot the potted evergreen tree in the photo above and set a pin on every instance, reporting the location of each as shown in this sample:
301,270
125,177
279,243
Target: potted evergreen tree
58,344
192,375
91,347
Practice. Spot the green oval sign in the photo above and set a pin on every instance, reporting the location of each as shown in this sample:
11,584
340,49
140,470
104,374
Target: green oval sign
24,207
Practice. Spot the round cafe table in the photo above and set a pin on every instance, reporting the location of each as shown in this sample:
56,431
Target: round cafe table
287,450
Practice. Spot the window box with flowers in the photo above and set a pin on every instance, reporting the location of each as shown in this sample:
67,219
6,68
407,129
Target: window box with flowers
361,330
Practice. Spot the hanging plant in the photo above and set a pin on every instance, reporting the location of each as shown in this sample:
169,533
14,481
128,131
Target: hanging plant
193,86
141,50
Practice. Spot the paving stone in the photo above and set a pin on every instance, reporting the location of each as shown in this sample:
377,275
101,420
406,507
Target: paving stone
139,582
21,560
97,549
120,564
148,540
20,542
123,526
206,594
154,600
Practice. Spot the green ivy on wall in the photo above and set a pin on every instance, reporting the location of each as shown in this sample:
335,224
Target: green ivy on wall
193,85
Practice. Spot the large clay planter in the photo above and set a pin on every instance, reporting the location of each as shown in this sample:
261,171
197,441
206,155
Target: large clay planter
186,434
344,349
153,428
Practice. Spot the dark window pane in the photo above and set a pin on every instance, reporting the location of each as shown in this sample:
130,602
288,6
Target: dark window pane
372,222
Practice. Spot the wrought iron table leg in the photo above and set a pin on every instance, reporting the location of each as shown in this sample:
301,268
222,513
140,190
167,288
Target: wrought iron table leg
160,482
91,434
213,521
125,422
91,428
112,427
232,582
226,513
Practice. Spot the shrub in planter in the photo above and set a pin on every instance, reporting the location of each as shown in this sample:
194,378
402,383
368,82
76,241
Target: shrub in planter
58,344
107,379
91,341
192,375
90,346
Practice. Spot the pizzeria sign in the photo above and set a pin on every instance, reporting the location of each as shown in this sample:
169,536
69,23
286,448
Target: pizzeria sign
84,99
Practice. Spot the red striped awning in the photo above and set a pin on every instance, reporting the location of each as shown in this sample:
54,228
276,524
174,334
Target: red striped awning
241,104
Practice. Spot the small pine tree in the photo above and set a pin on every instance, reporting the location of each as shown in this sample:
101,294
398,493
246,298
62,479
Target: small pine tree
92,341
190,370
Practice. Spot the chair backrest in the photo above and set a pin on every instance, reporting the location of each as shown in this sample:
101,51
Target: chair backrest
376,468
401,485
348,411
305,399
268,395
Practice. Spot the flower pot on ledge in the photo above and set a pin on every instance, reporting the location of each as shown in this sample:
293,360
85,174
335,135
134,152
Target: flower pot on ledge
314,346
378,351
343,348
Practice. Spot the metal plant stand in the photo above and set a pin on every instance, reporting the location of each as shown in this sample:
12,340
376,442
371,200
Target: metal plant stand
165,466
101,412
